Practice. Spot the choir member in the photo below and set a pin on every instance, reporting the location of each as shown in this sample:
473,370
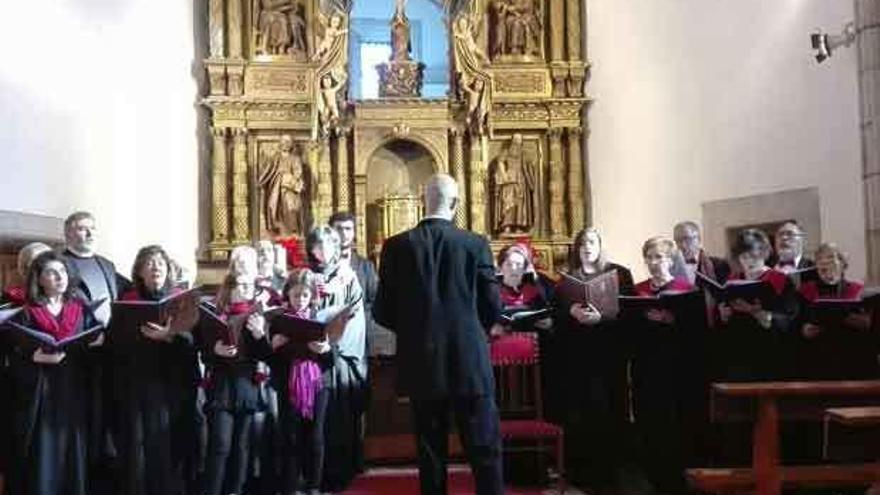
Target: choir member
789,256
49,416
13,295
345,224
596,369
233,389
690,244
754,341
16,294
303,404
155,377
661,368
839,345
346,377
520,288
97,280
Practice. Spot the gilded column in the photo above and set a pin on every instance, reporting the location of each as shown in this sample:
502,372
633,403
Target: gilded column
219,191
557,184
234,21
343,179
558,67
215,28
458,173
573,29
240,208
575,181
360,211
325,185
477,186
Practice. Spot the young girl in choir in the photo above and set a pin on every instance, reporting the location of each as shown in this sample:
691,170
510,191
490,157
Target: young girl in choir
302,395
660,367
754,341
49,415
155,378
597,396
232,390
836,348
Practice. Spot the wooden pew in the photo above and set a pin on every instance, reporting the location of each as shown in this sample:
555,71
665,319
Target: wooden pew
765,403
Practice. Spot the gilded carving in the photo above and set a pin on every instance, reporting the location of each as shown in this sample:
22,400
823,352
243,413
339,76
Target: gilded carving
517,30
284,183
575,180
523,82
285,82
474,81
331,76
557,185
240,200
220,220
280,28
514,188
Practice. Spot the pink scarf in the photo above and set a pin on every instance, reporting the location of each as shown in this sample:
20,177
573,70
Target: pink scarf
303,381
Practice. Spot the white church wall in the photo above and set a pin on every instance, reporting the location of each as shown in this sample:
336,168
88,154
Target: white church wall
699,101
97,112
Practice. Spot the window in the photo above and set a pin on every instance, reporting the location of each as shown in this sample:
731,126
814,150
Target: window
372,54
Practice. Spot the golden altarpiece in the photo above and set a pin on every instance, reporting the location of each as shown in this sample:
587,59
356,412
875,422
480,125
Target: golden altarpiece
289,148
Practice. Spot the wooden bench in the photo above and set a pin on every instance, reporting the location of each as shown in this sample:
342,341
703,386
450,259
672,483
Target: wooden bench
736,480
765,403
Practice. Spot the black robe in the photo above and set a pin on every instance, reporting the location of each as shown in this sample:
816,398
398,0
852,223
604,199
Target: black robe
154,386
50,423
595,364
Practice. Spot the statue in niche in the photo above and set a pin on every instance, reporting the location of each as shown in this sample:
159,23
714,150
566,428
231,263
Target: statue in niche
400,45
280,27
517,29
474,81
513,190
284,182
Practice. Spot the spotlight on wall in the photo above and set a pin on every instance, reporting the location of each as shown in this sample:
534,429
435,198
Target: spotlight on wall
824,44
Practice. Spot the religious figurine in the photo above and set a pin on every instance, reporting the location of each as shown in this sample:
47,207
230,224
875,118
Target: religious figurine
517,29
333,30
513,193
286,195
474,81
281,28
328,105
400,44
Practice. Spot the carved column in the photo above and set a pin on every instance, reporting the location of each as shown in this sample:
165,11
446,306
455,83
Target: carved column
234,21
575,181
324,200
557,184
219,190
240,208
343,184
215,28
458,173
360,211
573,29
477,186
558,68
868,43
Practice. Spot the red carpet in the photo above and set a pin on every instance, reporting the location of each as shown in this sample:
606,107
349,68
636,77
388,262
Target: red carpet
405,481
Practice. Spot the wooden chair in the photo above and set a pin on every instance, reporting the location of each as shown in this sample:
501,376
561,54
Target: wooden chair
515,358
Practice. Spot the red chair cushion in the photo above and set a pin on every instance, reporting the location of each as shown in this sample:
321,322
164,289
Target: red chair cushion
513,348
529,428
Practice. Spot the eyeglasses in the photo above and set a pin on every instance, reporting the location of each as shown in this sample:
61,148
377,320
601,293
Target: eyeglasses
790,234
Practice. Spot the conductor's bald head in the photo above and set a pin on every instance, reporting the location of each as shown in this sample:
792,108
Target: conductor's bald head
441,196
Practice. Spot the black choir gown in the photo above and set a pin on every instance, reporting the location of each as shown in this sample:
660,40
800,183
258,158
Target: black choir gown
663,382
154,386
595,367
49,417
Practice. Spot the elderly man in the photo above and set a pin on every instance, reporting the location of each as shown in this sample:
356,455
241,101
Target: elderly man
789,253
439,294
689,240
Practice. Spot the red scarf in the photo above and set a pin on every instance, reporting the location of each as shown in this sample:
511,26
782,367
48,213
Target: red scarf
61,327
239,308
